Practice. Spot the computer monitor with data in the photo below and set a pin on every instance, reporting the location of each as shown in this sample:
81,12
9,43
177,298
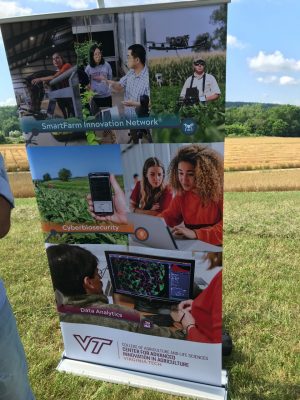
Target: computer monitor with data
151,278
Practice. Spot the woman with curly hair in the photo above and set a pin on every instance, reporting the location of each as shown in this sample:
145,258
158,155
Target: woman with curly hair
196,211
151,195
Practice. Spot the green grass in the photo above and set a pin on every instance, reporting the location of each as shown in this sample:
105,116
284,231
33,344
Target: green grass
260,302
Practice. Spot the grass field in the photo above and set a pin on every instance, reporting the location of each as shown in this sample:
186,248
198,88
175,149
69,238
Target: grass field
261,248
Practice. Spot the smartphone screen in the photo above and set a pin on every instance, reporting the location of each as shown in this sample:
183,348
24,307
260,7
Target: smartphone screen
101,193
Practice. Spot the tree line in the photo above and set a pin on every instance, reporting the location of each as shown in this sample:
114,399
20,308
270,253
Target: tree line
261,120
241,120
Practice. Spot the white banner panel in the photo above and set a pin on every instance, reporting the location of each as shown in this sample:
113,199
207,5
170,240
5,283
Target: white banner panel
198,362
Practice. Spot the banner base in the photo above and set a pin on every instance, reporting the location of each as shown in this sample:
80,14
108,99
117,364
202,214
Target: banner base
143,380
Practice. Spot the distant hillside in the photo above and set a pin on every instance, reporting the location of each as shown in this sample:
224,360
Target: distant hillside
234,104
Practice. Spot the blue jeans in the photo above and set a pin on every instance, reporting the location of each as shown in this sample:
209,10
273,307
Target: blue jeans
14,384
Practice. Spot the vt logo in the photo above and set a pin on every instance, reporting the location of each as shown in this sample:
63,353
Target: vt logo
93,344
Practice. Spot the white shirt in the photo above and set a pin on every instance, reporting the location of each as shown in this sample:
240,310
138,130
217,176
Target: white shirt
134,87
211,86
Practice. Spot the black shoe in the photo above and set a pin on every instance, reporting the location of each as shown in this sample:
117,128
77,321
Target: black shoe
226,344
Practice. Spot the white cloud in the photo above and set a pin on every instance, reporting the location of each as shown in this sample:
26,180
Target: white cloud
288,80
8,102
282,80
273,62
268,79
232,41
13,9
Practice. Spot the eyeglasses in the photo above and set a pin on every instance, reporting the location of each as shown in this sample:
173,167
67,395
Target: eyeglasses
199,63
102,271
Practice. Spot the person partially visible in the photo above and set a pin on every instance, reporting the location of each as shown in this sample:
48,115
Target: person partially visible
201,318
136,179
196,211
14,383
136,82
75,274
206,86
61,66
99,72
65,104
151,195
136,87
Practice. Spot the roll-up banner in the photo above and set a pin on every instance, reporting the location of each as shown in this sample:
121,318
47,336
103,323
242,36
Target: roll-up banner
122,111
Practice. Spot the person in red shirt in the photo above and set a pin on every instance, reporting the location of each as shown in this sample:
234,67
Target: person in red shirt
196,211
151,195
201,318
65,104
61,66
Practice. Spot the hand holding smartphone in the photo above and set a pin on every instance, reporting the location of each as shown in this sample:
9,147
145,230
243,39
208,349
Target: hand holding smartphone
103,206
101,193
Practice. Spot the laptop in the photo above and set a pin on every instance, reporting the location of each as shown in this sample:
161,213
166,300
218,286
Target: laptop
151,231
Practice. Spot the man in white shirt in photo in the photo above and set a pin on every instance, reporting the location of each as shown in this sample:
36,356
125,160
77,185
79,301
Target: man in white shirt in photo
208,88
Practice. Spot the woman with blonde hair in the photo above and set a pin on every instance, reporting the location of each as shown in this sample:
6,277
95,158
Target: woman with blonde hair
196,211
151,195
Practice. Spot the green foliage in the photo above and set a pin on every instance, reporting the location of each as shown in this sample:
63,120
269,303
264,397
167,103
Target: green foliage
236,130
10,124
64,174
259,120
164,101
61,206
46,177
86,97
9,113
219,17
89,238
203,42
176,70
2,138
60,201
15,134
82,51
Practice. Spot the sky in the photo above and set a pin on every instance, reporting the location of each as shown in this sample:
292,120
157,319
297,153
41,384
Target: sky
80,160
263,59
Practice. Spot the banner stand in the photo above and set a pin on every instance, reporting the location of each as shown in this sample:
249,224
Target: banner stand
147,381
131,273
